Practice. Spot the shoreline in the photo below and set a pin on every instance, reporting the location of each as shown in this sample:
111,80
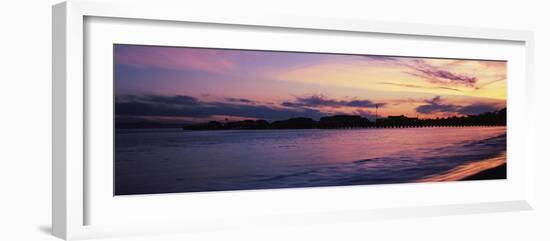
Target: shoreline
498,172
487,169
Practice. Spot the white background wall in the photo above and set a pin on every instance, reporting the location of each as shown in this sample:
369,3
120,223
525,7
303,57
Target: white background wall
25,107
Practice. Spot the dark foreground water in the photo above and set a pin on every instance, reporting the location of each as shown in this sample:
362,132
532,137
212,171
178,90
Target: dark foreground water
171,160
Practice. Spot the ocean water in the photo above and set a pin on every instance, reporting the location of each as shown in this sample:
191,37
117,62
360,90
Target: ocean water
151,161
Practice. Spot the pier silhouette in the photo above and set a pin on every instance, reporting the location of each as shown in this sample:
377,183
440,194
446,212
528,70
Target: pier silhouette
496,118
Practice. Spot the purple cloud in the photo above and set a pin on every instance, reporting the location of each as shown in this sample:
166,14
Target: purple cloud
322,101
241,100
420,68
436,105
191,107
477,108
436,75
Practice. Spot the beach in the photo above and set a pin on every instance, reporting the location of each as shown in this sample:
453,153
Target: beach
499,172
172,160
490,168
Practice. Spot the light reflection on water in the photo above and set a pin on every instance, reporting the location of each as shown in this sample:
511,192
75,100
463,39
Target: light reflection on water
172,160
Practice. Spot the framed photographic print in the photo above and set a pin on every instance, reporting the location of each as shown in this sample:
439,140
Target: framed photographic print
189,121
203,119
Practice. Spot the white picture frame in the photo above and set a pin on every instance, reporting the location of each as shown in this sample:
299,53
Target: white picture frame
72,186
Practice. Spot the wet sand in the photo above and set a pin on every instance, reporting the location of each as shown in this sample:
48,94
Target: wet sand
491,168
493,173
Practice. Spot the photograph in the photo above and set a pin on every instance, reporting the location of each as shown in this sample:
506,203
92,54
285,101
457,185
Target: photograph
195,119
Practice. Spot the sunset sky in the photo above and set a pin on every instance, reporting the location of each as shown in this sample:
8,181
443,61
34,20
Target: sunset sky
169,84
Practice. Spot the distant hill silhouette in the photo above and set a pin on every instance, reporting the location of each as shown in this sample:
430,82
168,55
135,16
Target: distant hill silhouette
145,124
496,118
